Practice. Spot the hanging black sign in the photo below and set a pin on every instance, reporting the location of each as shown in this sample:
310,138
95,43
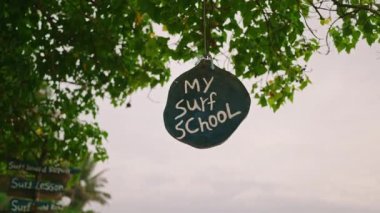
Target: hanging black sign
205,106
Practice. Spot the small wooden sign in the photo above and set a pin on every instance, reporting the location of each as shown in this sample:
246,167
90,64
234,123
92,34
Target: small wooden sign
205,106
5,182
22,184
24,205
18,165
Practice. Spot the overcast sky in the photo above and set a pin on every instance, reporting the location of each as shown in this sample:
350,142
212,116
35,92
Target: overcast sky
320,154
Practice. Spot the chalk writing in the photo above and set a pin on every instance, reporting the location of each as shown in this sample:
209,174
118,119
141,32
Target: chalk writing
22,205
21,184
16,165
205,106
205,124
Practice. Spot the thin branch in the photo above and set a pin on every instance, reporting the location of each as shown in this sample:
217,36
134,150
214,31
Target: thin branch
310,29
332,25
306,23
357,7
150,97
316,9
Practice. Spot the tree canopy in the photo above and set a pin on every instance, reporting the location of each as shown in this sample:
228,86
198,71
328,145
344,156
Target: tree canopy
57,57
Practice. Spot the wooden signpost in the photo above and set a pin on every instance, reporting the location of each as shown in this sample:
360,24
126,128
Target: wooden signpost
205,106
48,184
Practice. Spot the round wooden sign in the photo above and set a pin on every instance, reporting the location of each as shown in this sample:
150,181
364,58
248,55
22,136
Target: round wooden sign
205,106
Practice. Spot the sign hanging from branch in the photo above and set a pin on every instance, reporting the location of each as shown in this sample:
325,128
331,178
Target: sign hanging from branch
205,106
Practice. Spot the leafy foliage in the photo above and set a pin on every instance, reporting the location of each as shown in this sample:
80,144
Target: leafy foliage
3,201
269,40
86,188
57,57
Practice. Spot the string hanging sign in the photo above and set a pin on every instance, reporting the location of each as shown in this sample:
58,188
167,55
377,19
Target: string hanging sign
205,104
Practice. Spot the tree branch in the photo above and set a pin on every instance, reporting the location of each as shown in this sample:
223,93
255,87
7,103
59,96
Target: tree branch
316,10
357,7
332,25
